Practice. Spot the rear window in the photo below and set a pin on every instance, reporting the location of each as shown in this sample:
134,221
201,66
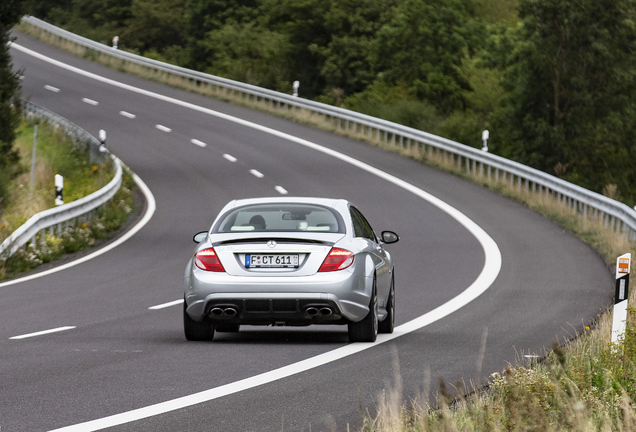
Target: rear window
280,217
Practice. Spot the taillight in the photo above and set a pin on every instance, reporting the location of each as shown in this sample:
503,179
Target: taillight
207,259
338,259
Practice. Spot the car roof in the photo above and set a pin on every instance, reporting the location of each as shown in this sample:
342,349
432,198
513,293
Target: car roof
328,202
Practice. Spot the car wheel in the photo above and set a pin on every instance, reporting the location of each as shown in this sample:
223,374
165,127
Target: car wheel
387,325
196,331
227,328
367,329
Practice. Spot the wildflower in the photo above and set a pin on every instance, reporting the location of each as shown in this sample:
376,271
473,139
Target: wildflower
95,168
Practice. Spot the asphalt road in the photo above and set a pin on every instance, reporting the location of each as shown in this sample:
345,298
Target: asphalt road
121,356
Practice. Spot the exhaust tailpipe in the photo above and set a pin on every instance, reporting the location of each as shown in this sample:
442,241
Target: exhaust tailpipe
325,311
216,312
311,311
230,312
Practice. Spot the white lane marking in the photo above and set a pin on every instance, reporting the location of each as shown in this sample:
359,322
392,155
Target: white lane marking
43,332
127,114
199,143
163,128
51,88
230,157
90,101
488,274
166,305
257,173
150,210
281,190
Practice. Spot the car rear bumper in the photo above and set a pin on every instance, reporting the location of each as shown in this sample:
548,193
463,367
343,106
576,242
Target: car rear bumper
329,298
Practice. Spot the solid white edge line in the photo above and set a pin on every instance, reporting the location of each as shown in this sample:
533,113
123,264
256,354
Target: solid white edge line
197,142
43,332
166,305
90,101
152,206
490,271
230,157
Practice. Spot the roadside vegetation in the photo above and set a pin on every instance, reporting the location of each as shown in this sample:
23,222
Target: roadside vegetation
57,153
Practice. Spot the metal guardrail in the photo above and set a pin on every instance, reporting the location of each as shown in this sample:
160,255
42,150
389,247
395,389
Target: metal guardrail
59,218
613,213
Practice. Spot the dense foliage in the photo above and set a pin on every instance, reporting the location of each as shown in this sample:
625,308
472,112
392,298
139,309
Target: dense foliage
553,80
10,13
571,86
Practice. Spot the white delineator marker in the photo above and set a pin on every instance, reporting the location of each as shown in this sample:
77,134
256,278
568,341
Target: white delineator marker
59,186
623,265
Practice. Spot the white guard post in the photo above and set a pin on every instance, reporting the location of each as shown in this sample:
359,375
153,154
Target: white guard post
296,87
59,185
623,265
484,139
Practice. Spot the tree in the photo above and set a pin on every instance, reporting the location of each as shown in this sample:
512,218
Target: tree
249,53
203,17
351,25
41,8
155,25
10,14
424,45
99,20
571,82
303,24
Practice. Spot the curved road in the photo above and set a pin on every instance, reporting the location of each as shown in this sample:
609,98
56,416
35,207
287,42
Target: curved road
120,355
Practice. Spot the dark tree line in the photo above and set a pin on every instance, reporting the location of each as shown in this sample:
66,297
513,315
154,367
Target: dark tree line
553,80
10,14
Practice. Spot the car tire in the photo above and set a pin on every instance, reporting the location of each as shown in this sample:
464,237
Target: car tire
196,331
388,323
227,328
367,329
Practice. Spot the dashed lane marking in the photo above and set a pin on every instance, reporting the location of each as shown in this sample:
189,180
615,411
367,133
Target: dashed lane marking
43,332
199,143
127,114
257,173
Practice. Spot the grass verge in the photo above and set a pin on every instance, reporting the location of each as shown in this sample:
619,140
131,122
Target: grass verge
57,153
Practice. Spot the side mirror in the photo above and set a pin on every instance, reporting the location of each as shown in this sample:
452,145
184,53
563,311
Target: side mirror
199,237
390,237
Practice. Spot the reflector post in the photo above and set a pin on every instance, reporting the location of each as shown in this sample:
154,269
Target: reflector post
621,294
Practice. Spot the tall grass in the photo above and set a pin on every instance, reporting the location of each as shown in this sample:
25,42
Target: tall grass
55,154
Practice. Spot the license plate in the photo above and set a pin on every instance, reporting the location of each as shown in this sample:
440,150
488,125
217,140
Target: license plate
271,260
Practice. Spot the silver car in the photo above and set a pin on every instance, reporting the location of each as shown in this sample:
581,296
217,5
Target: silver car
290,261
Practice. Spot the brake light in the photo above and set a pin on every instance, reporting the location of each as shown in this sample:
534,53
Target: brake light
207,259
338,259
